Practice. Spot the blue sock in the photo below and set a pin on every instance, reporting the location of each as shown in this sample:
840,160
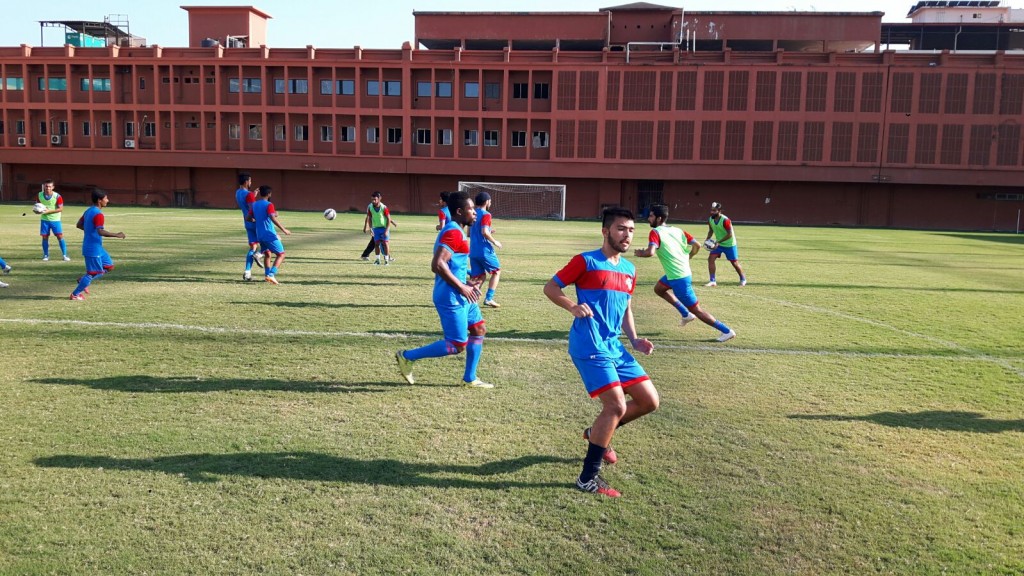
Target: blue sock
273,270
46,247
489,296
83,283
2,263
592,463
432,350
722,327
63,246
249,259
473,350
743,278
712,277
682,309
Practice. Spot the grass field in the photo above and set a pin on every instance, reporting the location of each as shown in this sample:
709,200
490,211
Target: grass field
869,418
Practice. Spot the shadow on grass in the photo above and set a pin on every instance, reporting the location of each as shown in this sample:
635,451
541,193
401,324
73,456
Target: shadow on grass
953,421
317,467
936,289
993,237
177,384
326,305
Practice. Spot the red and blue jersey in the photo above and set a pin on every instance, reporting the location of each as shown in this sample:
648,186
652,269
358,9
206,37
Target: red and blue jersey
245,199
444,216
452,239
479,246
607,289
92,223
262,210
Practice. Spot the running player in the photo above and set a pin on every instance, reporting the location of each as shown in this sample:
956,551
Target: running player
244,198
49,220
444,215
264,215
482,259
674,248
378,217
97,260
604,287
721,228
461,321
6,268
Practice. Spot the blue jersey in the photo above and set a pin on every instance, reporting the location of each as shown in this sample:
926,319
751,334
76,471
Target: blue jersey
92,223
607,289
444,216
262,210
244,199
479,246
452,239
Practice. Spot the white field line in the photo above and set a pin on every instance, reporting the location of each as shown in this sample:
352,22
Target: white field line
548,341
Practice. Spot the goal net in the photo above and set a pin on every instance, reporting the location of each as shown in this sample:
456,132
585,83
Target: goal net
521,200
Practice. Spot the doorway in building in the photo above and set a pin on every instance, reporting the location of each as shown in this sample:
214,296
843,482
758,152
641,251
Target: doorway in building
648,193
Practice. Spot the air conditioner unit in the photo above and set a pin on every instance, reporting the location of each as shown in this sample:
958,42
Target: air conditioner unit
55,139
129,143
21,141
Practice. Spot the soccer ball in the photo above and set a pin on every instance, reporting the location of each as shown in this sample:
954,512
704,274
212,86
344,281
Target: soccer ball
710,244
330,214
38,208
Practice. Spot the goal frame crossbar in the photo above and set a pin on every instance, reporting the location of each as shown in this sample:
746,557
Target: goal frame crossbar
550,187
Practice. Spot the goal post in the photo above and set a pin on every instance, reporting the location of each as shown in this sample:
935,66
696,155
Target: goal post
512,200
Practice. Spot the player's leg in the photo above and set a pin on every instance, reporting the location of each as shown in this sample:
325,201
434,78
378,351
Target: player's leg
44,231
732,254
474,347
58,231
369,248
93,270
712,256
385,250
455,328
643,397
6,270
663,288
601,382
493,267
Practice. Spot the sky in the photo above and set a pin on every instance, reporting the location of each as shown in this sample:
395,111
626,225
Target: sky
343,24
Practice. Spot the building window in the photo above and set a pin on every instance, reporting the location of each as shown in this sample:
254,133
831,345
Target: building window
372,88
347,134
541,91
193,125
423,89
298,86
301,132
423,135
346,87
444,136
520,90
233,86
129,129
142,83
373,135
278,86
518,139
209,125
95,84
444,89
492,90
327,133
471,90
540,139
279,132
255,131
392,88
56,83
86,128
326,87
19,127
42,128
149,129
469,137
62,127
165,79
491,137
252,85
234,131
1,126
394,135
14,83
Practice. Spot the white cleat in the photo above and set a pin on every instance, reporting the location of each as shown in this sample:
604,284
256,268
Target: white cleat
491,304
688,319
365,258
67,258
46,258
711,284
7,270
727,336
405,367
743,282
247,275
478,383
4,285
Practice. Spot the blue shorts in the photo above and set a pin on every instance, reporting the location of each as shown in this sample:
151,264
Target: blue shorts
250,232
381,235
46,226
457,320
731,254
602,374
273,246
683,288
485,264
96,265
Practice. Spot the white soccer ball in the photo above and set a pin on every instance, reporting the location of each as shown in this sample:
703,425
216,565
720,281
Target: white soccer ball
330,214
710,244
38,208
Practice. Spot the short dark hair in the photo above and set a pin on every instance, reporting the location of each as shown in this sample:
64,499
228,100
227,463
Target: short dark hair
444,196
659,211
243,177
612,212
265,190
48,181
457,200
98,195
481,198
376,194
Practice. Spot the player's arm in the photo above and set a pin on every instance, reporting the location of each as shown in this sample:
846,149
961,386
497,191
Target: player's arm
366,222
642,345
554,293
653,241
106,234
694,247
439,265
486,232
711,232
387,221
273,218
81,223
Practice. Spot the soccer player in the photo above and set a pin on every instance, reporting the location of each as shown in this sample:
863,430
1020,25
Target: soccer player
378,217
97,260
244,198
456,301
264,216
444,215
49,220
721,228
6,268
482,259
604,287
674,248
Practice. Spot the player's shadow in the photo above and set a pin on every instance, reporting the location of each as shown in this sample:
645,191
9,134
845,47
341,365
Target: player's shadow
559,335
1002,238
326,305
945,420
941,289
317,467
182,384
